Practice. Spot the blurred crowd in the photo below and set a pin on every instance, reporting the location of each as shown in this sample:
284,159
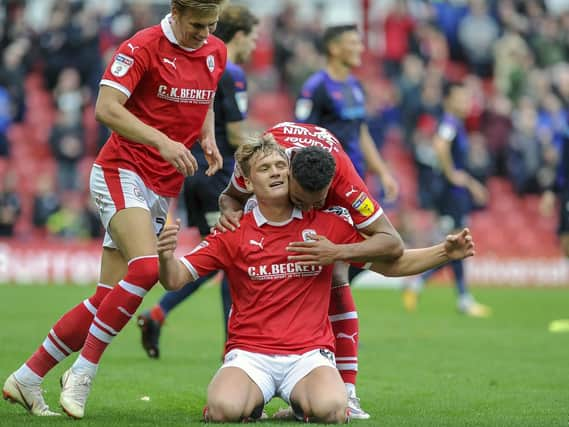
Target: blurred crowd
511,53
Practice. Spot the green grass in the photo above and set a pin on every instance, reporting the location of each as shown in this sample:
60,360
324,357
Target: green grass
429,368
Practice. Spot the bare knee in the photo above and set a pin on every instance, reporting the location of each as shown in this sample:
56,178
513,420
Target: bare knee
224,410
330,410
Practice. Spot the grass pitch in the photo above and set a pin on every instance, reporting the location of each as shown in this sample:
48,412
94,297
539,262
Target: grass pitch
430,368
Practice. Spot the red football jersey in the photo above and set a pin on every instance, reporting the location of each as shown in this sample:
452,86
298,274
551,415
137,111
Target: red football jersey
347,189
278,307
170,88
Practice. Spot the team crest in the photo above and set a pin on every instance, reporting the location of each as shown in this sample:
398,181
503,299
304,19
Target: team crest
121,65
210,61
307,233
364,205
137,193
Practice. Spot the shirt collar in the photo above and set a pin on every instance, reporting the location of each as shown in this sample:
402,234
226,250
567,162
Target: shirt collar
261,220
169,32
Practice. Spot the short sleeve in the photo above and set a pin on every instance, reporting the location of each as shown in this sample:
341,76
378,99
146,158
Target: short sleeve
311,103
127,67
349,191
211,254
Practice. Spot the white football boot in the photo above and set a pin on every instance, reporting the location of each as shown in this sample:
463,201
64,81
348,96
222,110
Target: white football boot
30,397
356,411
74,392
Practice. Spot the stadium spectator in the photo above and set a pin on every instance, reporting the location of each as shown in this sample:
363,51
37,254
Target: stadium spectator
477,33
71,220
525,151
237,27
398,27
144,91
10,204
5,121
496,127
561,187
46,201
461,191
68,148
279,344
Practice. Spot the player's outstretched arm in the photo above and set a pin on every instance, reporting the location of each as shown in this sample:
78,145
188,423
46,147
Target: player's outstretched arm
173,274
382,243
415,261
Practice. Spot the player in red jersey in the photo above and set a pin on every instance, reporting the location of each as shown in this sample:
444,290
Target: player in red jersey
280,340
346,189
157,96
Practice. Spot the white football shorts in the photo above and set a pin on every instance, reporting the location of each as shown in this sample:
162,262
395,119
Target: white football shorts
277,375
116,189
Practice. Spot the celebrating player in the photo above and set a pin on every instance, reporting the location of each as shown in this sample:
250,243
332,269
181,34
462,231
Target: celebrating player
157,96
308,191
280,339
237,27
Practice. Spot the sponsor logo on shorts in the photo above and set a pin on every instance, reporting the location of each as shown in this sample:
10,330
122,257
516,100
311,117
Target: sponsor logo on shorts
327,354
229,357
138,194
364,205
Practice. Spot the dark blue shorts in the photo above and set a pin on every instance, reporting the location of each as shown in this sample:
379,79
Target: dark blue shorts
201,194
455,205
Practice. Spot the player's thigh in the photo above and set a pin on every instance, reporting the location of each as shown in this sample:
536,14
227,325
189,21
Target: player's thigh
113,266
340,274
300,377
320,394
130,212
133,232
232,390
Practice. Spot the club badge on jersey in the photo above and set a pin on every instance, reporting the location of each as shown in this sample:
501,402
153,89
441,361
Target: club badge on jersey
121,65
307,235
210,61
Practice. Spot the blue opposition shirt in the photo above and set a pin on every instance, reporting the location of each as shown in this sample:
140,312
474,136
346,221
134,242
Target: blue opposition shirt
452,129
338,106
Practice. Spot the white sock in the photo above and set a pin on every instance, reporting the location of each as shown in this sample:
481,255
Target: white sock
350,389
83,367
26,376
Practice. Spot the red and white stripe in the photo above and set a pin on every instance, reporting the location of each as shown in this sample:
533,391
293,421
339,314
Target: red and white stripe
55,347
347,363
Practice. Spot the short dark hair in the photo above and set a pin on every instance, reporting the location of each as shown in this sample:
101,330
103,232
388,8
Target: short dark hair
449,86
313,168
333,32
235,18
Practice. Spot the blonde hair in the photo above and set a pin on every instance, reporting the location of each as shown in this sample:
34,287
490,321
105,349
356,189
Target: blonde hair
199,7
265,145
